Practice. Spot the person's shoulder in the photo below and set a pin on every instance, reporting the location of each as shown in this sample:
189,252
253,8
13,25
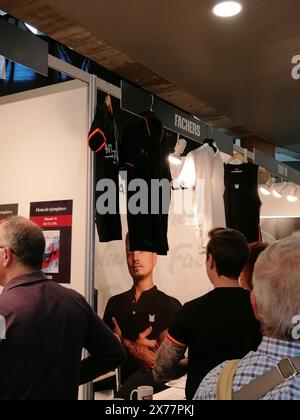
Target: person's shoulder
245,293
236,295
169,298
71,294
200,301
208,387
198,306
119,297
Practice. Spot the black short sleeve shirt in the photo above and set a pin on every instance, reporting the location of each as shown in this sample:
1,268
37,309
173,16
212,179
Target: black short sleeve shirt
216,327
154,308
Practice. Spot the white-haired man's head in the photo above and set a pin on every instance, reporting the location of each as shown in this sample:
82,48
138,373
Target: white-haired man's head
276,282
22,246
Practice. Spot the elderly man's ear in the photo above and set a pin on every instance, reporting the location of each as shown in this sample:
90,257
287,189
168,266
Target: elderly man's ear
6,257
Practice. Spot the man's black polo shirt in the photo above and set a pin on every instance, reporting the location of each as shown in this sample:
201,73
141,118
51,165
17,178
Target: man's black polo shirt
154,308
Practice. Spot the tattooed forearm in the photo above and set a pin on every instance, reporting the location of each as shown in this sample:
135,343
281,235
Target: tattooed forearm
168,364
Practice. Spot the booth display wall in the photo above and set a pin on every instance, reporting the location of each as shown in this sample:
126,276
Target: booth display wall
182,273
44,157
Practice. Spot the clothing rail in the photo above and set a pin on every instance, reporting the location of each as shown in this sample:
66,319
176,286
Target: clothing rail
76,73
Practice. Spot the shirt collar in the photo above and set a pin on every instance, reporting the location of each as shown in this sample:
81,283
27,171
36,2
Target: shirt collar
279,349
146,293
30,278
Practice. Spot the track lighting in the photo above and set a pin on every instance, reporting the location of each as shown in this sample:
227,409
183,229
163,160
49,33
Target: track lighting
266,189
277,192
292,197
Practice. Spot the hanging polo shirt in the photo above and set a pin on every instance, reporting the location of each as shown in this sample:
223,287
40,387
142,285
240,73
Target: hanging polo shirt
145,151
103,140
154,308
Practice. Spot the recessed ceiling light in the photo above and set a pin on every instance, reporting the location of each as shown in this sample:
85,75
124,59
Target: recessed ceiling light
227,9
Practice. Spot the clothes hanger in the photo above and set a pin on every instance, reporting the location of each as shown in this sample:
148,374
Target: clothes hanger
149,112
152,103
236,159
108,101
209,140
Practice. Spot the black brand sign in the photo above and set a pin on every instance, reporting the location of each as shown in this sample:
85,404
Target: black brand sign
23,48
137,101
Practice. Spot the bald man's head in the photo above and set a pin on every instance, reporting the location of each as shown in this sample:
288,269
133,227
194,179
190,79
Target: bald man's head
25,239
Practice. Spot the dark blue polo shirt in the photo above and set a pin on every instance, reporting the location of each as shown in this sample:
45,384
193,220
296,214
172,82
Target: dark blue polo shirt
47,326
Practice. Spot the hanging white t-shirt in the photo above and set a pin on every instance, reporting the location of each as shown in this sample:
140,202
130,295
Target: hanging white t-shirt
204,170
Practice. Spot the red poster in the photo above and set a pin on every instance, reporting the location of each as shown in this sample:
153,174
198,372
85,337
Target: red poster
55,218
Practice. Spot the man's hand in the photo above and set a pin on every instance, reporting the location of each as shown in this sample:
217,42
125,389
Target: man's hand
143,340
142,354
143,350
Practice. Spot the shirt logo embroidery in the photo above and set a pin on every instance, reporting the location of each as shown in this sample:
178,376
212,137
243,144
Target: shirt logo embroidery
237,186
151,319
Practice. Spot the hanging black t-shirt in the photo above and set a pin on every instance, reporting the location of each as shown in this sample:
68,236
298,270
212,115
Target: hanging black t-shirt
241,199
154,308
145,152
216,327
103,140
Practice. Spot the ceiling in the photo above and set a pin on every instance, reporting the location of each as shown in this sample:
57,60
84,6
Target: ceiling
235,73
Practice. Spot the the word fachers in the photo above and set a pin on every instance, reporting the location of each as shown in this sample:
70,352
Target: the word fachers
188,126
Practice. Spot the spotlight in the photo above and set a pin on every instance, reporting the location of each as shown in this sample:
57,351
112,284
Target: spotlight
277,192
227,9
292,197
266,189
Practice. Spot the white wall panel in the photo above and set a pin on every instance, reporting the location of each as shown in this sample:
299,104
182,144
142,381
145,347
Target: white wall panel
44,156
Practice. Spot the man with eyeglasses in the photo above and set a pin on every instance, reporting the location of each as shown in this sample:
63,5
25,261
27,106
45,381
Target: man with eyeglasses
46,325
